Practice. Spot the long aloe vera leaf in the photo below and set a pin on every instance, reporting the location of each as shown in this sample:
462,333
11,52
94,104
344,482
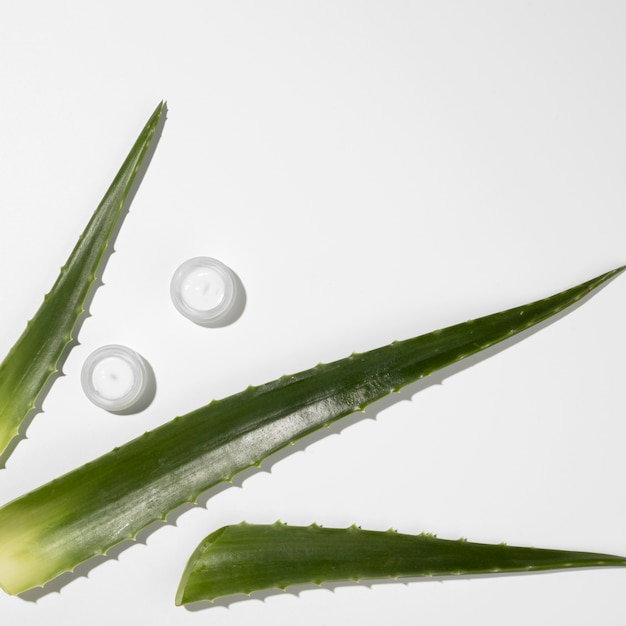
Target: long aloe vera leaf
35,356
83,513
252,557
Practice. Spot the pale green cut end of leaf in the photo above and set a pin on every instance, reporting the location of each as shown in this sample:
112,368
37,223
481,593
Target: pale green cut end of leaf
244,558
35,356
109,500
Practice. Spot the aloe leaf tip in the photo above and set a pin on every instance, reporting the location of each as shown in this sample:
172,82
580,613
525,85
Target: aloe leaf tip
34,358
243,558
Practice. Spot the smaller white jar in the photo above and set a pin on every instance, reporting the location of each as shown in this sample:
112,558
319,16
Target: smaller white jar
117,379
205,291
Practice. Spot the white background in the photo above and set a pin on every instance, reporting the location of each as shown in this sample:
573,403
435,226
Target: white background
371,171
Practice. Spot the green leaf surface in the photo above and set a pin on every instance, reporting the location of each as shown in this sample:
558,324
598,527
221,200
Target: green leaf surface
35,356
250,557
83,513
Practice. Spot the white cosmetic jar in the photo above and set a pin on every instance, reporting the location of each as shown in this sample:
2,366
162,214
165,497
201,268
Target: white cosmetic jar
117,379
205,291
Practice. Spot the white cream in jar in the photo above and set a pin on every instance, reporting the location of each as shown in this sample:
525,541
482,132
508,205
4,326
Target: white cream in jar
117,379
205,291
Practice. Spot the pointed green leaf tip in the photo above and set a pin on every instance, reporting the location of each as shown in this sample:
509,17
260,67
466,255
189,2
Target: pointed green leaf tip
82,514
247,557
34,357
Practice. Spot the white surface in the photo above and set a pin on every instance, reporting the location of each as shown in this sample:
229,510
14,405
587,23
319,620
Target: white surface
371,171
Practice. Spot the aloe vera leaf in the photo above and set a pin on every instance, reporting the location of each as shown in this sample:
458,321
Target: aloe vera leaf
35,356
88,510
252,557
